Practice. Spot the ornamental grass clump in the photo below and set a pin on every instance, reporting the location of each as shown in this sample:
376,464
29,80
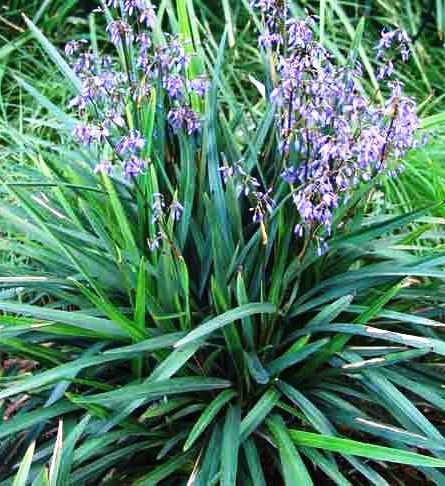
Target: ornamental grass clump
201,294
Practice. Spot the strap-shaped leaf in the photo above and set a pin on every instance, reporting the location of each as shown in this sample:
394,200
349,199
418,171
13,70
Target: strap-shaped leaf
53,53
368,450
230,446
208,416
225,319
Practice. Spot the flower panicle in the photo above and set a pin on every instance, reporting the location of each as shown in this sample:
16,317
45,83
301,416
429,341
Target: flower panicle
109,87
332,135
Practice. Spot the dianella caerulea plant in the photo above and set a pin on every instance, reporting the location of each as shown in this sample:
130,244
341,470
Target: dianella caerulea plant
200,307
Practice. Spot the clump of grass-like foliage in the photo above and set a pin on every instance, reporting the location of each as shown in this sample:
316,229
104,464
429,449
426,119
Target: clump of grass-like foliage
201,295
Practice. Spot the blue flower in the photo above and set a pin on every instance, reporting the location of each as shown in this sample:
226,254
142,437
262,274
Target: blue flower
133,167
184,118
131,143
120,31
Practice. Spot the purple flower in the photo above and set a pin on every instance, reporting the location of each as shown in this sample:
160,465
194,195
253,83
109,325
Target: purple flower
73,46
184,118
405,52
133,166
322,247
386,70
199,85
104,167
174,85
385,42
258,215
148,17
290,175
157,207
299,32
266,6
176,209
337,135
273,9
263,204
144,40
107,88
144,62
106,62
85,64
299,230
119,31
130,6
116,119
227,172
270,40
131,143
175,55
155,243
88,134
79,102
399,38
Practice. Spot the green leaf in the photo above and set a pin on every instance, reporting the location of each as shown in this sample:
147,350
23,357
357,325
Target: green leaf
21,477
60,115
175,361
230,446
256,369
53,375
57,456
152,391
41,478
254,463
226,318
69,445
102,303
212,456
152,344
23,421
356,42
207,416
338,343
248,331
258,413
54,55
107,461
356,448
386,360
140,303
294,469
372,232
312,413
150,115
289,359
331,311
420,342
102,327
121,216
327,465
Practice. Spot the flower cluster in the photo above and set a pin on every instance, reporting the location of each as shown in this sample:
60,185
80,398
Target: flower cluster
109,87
275,13
332,136
246,184
159,215
389,41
